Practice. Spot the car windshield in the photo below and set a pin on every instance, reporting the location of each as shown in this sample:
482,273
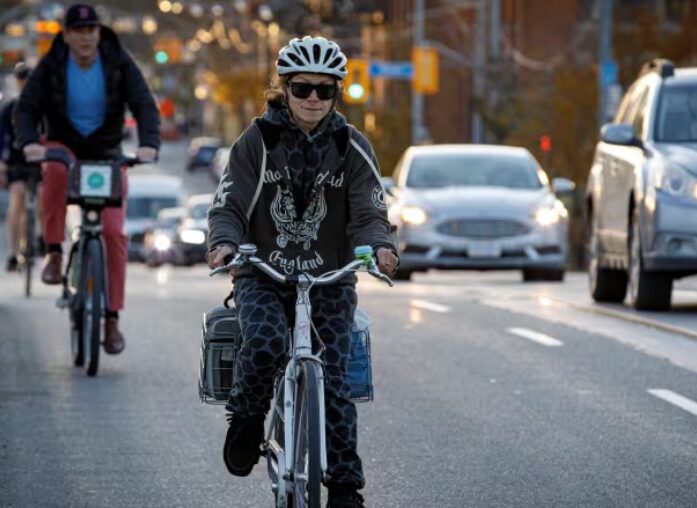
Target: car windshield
146,207
677,115
199,211
470,170
167,222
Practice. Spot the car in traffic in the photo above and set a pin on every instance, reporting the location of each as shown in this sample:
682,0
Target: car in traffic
642,191
466,206
220,160
192,235
160,241
147,195
201,152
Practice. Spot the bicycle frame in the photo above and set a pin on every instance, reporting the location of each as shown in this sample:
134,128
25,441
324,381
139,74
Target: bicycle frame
301,340
89,229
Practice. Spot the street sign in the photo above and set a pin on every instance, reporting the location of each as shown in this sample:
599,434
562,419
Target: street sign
608,73
425,70
392,70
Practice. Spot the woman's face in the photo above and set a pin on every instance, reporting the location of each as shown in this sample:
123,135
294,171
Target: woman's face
309,112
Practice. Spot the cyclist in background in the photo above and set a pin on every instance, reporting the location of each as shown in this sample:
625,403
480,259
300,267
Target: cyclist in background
12,174
82,86
319,195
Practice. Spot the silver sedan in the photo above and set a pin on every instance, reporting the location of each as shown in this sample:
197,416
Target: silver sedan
477,207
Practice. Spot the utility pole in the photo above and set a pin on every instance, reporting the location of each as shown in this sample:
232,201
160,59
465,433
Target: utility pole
479,79
417,99
607,69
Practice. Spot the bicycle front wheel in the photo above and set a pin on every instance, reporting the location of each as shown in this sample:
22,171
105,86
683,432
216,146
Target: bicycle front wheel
92,304
29,249
307,467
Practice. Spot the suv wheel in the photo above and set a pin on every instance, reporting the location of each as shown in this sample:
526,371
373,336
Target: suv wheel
606,285
647,291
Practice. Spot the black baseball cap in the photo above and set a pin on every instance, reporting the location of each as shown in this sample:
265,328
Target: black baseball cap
80,15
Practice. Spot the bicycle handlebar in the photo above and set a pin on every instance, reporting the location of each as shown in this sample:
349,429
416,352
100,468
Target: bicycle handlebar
63,156
242,259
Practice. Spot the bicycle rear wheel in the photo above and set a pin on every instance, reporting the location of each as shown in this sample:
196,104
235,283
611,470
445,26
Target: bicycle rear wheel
92,304
307,467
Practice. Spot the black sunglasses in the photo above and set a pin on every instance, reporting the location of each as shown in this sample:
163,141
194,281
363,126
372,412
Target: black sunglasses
303,90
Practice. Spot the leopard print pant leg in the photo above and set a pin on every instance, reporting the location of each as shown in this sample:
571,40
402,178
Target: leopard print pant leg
262,309
332,315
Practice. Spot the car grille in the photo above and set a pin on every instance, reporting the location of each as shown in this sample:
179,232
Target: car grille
482,228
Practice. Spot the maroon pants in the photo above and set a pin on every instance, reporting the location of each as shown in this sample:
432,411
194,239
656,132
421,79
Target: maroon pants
54,202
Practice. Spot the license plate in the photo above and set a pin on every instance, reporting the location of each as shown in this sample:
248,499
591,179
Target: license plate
484,250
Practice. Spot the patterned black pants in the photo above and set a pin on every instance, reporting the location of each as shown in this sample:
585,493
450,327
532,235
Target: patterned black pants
265,310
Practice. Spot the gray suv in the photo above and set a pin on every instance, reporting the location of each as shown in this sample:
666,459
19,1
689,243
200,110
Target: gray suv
642,191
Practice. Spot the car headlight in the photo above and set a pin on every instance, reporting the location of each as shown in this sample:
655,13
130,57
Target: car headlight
413,215
548,215
195,236
674,180
162,242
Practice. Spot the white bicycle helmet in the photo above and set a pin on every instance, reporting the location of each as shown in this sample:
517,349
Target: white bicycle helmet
312,54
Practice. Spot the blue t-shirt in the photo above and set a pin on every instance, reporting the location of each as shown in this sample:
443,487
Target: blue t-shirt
86,106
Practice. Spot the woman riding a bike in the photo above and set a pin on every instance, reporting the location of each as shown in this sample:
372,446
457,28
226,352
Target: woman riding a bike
303,185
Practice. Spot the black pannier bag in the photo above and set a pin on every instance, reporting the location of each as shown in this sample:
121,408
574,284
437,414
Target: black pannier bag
220,342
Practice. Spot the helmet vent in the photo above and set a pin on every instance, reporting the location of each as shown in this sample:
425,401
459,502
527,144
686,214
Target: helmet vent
305,53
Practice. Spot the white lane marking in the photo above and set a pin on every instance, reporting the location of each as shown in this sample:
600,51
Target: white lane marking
423,304
540,338
676,399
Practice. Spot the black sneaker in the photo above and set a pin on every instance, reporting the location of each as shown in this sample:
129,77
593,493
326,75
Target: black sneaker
344,496
12,264
243,444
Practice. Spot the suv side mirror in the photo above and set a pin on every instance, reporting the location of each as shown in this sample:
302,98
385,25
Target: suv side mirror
620,134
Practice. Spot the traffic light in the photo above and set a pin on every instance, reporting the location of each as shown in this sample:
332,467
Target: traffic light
167,50
545,143
161,57
357,82
426,70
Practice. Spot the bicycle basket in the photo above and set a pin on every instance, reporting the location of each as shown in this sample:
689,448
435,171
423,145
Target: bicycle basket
360,370
94,183
221,338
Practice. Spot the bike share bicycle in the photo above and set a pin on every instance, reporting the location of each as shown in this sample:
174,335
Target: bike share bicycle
92,186
295,442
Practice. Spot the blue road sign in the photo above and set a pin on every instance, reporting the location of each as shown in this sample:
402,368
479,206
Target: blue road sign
391,70
608,73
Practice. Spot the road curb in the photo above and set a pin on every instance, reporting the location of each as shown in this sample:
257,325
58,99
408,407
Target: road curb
631,318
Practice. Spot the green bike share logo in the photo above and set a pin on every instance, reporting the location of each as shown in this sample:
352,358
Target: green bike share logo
95,181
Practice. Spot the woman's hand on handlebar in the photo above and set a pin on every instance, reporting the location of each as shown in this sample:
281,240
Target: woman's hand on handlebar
387,262
220,256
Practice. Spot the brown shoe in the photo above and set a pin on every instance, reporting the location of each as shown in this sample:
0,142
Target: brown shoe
114,342
53,265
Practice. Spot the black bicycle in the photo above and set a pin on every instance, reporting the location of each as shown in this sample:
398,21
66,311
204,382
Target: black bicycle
92,185
29,245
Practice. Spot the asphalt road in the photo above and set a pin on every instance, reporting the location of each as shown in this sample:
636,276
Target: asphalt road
489,393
